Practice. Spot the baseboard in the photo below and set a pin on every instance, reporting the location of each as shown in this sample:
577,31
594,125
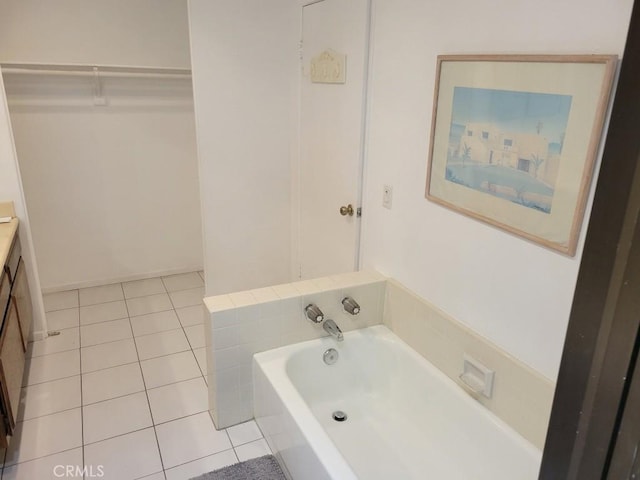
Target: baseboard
128,278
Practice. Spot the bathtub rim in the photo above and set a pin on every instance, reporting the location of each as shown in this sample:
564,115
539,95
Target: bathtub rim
273,364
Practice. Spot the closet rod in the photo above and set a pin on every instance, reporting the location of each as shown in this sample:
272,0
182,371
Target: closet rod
91,70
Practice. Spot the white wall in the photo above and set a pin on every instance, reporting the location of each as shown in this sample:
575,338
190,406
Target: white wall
112,190
11,190
514,292
244,57
113,32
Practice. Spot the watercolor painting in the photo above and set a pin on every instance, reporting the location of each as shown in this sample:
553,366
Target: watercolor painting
508,143
514,139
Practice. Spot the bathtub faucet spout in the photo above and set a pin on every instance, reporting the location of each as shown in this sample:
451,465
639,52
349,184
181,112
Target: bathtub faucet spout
332,329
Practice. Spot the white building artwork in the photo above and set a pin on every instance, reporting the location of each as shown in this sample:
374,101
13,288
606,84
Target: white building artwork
508,144
485,143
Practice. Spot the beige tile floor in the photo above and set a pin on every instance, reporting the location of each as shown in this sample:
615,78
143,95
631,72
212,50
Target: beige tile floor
122,390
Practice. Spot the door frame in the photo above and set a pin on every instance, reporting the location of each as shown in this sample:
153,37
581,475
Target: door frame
602,338
625,456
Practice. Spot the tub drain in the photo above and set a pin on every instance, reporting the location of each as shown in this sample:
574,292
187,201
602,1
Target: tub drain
330,356
339,416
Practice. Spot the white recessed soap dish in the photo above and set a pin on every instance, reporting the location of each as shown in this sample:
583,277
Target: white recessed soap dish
476,377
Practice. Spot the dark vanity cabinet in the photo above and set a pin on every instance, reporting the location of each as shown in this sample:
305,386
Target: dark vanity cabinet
20,295
15,303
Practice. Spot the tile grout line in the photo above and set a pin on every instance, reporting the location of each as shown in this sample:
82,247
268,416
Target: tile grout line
206,384
188,341
56,412
250,441
146,428
124,298
111,398
113,366
101,322
131,363
59,351
206,456
161,278
58,309
40,458
172,309
52,380
164,285
126,395
121,435
163,331
81,386
233,447
80,347
146,393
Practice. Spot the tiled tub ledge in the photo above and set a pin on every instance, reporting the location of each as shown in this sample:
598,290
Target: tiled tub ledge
243,323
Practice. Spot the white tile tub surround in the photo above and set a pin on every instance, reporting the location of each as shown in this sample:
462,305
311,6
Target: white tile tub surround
243,323
521,396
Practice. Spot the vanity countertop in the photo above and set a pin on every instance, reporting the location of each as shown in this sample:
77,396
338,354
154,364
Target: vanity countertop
7,232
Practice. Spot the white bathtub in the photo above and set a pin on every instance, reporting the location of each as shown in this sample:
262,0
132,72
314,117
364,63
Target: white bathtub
406,419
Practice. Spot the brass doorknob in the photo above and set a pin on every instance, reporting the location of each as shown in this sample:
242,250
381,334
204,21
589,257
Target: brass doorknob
348,210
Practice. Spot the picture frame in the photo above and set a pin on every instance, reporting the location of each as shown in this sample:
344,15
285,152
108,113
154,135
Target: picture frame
514,140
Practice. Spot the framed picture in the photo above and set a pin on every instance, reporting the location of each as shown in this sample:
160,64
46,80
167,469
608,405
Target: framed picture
514,139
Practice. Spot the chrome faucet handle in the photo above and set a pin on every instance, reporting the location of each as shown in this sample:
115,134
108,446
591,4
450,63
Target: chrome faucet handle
350,305
314,313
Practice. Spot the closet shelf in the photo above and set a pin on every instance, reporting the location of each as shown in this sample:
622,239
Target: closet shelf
93,70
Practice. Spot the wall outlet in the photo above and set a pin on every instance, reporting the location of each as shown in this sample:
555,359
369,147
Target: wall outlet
387,196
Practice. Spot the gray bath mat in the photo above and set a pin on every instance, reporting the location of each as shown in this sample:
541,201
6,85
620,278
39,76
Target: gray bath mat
261,468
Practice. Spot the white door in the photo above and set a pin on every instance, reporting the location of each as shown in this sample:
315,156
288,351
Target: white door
331,137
